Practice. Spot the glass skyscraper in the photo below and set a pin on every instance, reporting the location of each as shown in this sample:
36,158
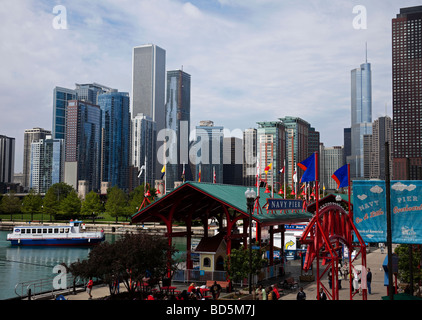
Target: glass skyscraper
361,115
178,124
83,144
115,138
60,98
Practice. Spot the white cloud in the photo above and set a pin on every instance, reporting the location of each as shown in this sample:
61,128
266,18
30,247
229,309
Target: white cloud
362,197
376,189
398,186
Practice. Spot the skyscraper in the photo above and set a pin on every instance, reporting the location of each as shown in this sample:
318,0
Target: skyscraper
361,114
30,135
148,87
83,144
7,159
178,124
407,93
60,98
89,92
249,156
115,123
382,131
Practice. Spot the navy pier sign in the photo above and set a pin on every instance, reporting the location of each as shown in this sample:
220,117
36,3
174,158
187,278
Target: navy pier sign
284,204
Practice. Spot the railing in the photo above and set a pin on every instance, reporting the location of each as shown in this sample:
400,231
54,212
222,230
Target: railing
45,287
195,275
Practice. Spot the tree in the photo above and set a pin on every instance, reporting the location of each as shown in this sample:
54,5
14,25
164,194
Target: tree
130,259
11,204
32,202
70,207
91,206
116,204
237,263
404,262
53,197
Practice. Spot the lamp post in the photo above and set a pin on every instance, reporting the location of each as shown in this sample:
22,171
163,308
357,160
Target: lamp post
250,199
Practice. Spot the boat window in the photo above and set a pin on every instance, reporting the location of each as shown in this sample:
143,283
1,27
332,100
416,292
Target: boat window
50,230
66,230
61,230
34,230
44,230
23,230
56,230
39,231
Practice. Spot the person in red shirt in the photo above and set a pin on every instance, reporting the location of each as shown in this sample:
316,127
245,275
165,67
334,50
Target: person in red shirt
275,289
191,287
89,287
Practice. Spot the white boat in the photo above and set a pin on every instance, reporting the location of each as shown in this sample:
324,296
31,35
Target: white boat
57,235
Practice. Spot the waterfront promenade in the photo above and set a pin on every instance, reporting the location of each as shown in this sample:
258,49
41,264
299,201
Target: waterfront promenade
375,260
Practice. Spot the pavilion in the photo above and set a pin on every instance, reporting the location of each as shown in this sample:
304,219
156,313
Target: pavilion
195,201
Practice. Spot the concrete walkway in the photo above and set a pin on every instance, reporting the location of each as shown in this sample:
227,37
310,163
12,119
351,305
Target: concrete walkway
374,261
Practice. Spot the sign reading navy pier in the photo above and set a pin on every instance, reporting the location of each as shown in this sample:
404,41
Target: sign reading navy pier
284,204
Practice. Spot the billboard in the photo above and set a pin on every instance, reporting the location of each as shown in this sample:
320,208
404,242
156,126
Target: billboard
369,210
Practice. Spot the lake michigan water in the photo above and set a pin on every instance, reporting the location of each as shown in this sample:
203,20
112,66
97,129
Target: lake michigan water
23,264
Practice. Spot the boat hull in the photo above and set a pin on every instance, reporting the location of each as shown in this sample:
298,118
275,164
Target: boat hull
56,242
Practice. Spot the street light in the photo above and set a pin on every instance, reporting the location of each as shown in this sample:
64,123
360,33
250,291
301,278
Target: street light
250,199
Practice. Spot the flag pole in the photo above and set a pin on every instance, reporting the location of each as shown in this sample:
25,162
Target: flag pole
317,231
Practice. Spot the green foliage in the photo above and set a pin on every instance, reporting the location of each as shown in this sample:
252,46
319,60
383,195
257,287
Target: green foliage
92,205
70,207
116,203
237,263
32,203
54,196
404,262
130,259
10,204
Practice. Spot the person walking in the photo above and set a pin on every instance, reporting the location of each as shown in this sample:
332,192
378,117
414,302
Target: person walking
368,280
301,295
89,287
321,295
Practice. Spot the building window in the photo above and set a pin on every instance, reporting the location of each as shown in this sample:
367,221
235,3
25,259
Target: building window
207,262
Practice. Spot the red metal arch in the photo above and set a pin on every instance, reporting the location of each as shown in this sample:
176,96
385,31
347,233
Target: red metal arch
329,231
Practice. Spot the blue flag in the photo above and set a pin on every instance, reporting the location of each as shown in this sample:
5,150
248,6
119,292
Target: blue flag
341,176
309,166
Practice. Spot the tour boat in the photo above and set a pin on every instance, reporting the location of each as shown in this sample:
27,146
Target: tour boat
57,235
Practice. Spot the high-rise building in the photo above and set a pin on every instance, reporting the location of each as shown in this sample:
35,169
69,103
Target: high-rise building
30,135
144,136
249,157
7,159
47,158
89,92
331,160
115,147
232,161
60,98
83,144
271,141
361,115
297,146
382,131
347,141
407,94
177,124
148,88
209,152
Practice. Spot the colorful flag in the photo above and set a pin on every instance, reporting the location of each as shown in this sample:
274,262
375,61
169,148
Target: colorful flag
341,176
142,170
199,174
163,172
309,166
268,168
281,171
214,177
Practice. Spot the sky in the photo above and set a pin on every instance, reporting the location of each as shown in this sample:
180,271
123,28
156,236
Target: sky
250,60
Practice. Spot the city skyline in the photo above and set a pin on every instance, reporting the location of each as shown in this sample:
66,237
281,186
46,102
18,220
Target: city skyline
268,58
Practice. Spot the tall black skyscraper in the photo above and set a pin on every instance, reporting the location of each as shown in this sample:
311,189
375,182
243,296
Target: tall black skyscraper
407,94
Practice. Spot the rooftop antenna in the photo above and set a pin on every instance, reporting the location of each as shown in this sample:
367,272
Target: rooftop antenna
366,52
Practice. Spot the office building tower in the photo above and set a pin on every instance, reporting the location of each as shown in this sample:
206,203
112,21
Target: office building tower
347,141
232,161
83,144
30,135
89,92
271,141
115,134
209,152
331,160
361,115
382,131
407,96
47,158
177,124
148,87
144,136
297,146
60,98
249,157
7,159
